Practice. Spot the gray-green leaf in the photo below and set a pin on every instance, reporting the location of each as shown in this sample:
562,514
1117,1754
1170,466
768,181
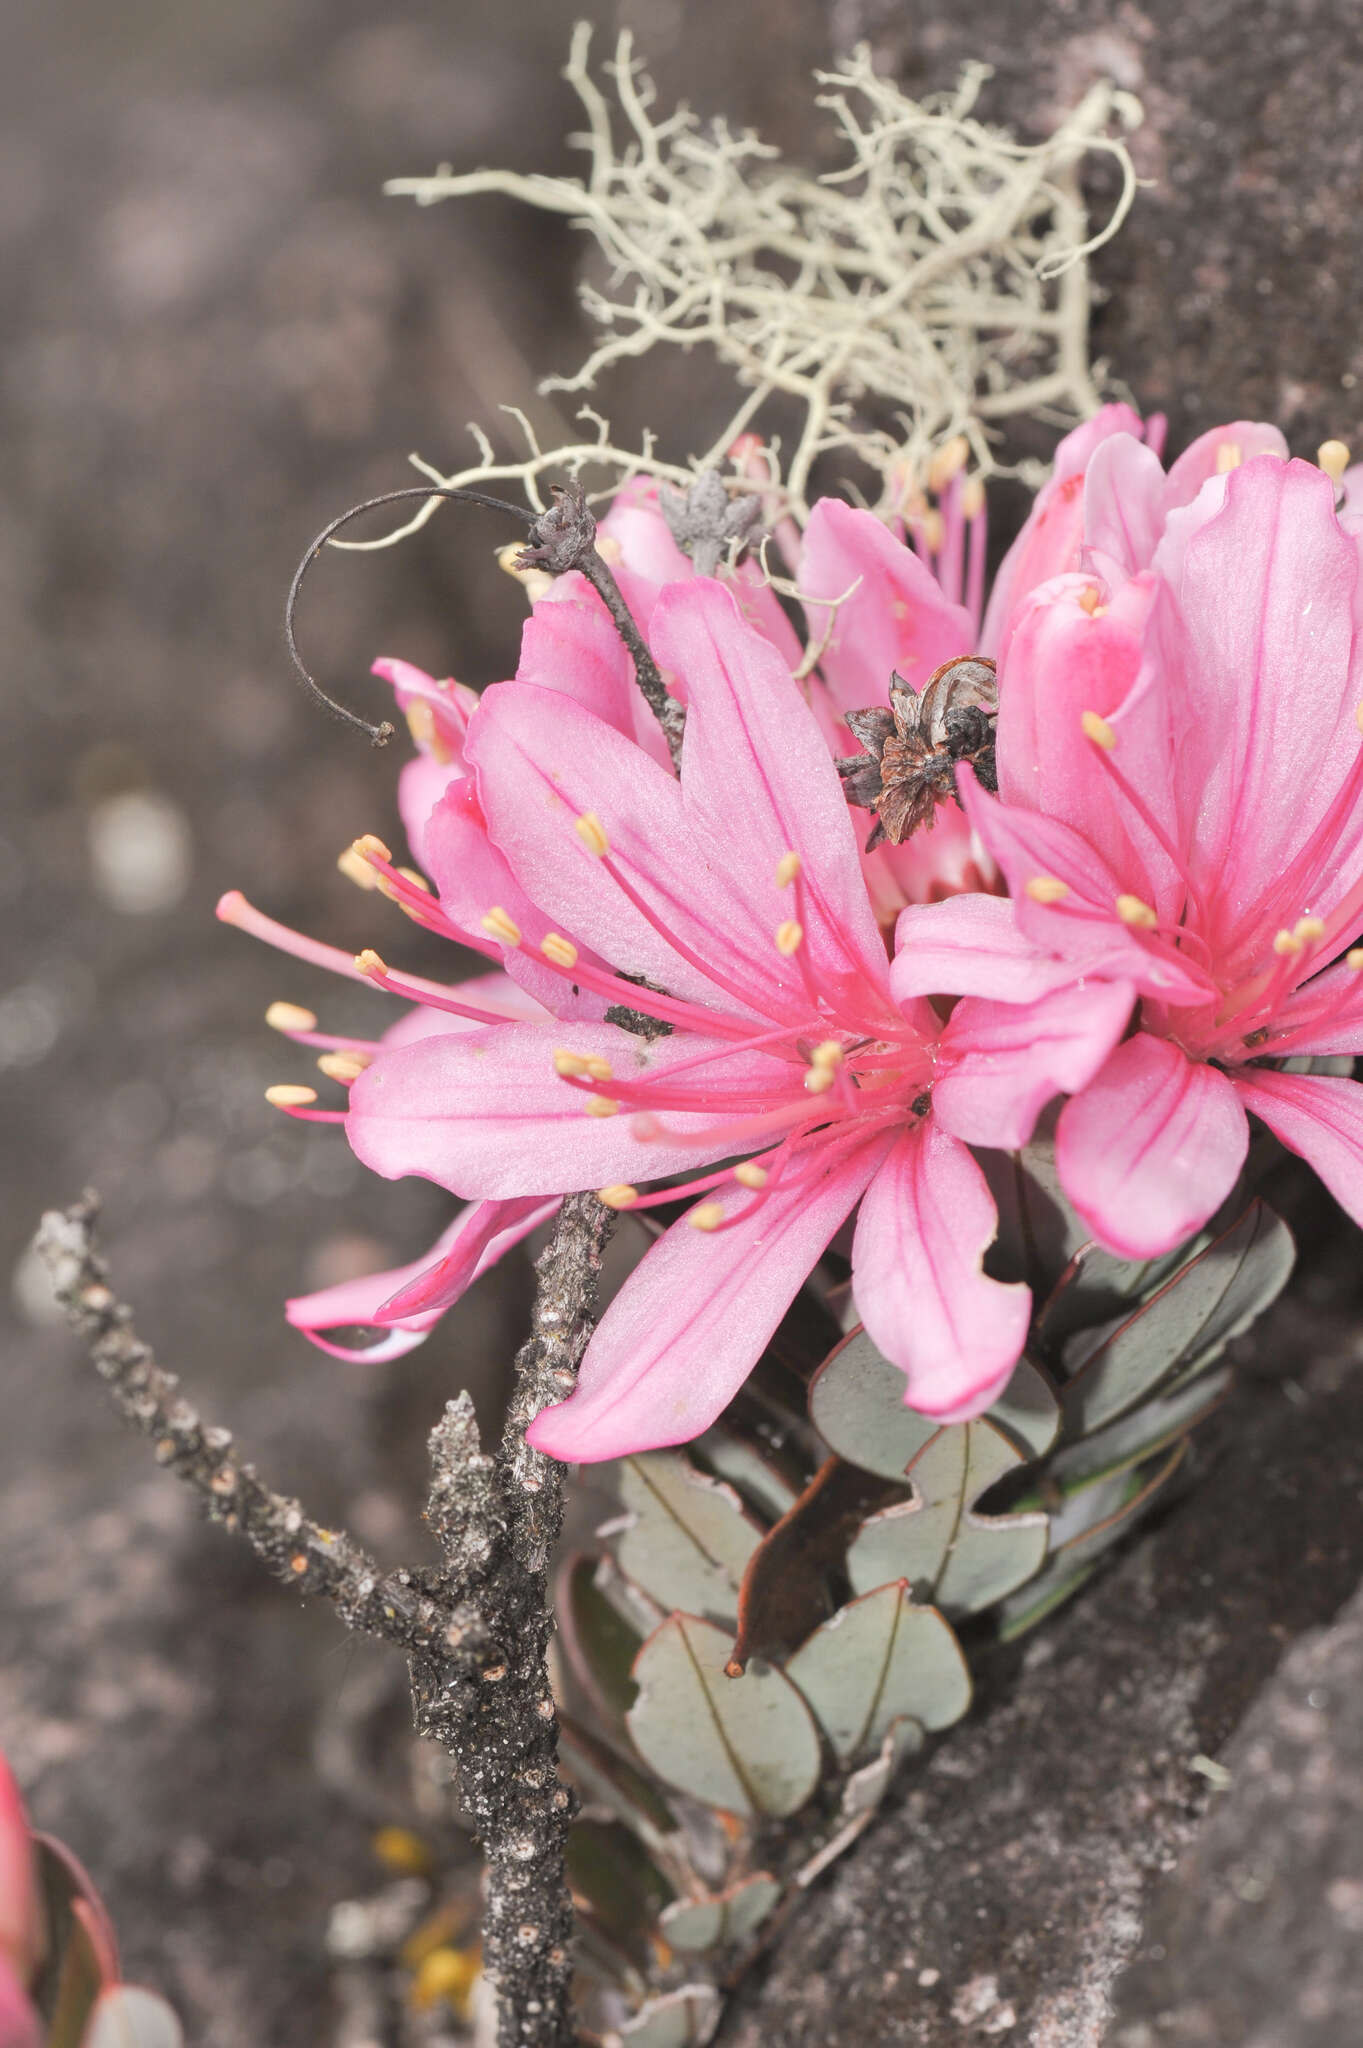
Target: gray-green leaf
680,2019
1185,1325
876,1660
747,1745
953,1557
694,1925
688,1540
856,1402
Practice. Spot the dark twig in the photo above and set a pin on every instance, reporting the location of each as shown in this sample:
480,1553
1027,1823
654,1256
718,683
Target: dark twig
475,1630
380,734
564,538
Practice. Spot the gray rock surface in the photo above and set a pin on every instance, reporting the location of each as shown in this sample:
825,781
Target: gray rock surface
1255,1942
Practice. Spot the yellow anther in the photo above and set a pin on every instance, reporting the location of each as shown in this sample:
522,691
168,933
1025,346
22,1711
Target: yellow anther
829,1054
1309,929
789,936
592,833
819,1080
1353,960
1229,456
534,582
950,459
787,868
1047,889
1358,716
932,530
561,951
1090,600
370,847
344,1066
422,725
601,1105
972,497
1131,910
706,1216
417,881
356,869
597,1068
750,1175
570,1065
284,1095
1098,730
498,925
1333,457
620,1195
369,964
1287,944
290,1017
609,548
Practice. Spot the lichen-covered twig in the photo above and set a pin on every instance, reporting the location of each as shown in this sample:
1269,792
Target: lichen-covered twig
475,1629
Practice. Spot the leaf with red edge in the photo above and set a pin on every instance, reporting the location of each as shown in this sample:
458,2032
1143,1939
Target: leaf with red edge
785,1591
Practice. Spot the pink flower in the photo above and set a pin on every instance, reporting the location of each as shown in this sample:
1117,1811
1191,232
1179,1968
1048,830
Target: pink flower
1181,805
731,906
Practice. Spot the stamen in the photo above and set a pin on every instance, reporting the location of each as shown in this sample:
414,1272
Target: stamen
417,881
1131,910
1047,889
425,730
344,1067
932,529
789,937
371,848
977,532
562,952
498,925
1098,730
1159,835
601,1105
1091,601
972,497
950,459
592,833
706,1216
829,1054
749,1175
575,1064
290,1017
1309,929
356,869
620,1195
1333,457
819,1080
787,868
1287,944
1229,456
285,1095
369,964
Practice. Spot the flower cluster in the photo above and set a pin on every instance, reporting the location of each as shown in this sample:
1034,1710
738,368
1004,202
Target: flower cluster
711,990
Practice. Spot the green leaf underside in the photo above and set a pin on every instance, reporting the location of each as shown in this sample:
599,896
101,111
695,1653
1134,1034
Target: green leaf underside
1090,1522
128,2017
681,2019
786,1589
609,1868
1184,1326
690,1540
694,1925
755,1477
878,1660
746,1745
605,1779
1141,1432
856,1402
599,1643
953,1557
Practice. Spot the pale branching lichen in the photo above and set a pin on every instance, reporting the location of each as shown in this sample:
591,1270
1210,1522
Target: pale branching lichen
932,286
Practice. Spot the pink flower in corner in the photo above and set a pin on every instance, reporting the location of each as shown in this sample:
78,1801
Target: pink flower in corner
1181,804
728,905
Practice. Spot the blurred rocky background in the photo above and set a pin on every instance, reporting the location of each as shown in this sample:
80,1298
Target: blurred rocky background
215,334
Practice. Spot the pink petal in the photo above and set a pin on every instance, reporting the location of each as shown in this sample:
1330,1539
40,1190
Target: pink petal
1200,460
1336,999
694,1317
475,1240
897,619
452,704
20,2026
972,946
1082,927
571,645
1001,1063
926,1221
484,1113
1050,542
1123,507
21,1920
1317,1116
1151,1148
422,784
1265,676
753,756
